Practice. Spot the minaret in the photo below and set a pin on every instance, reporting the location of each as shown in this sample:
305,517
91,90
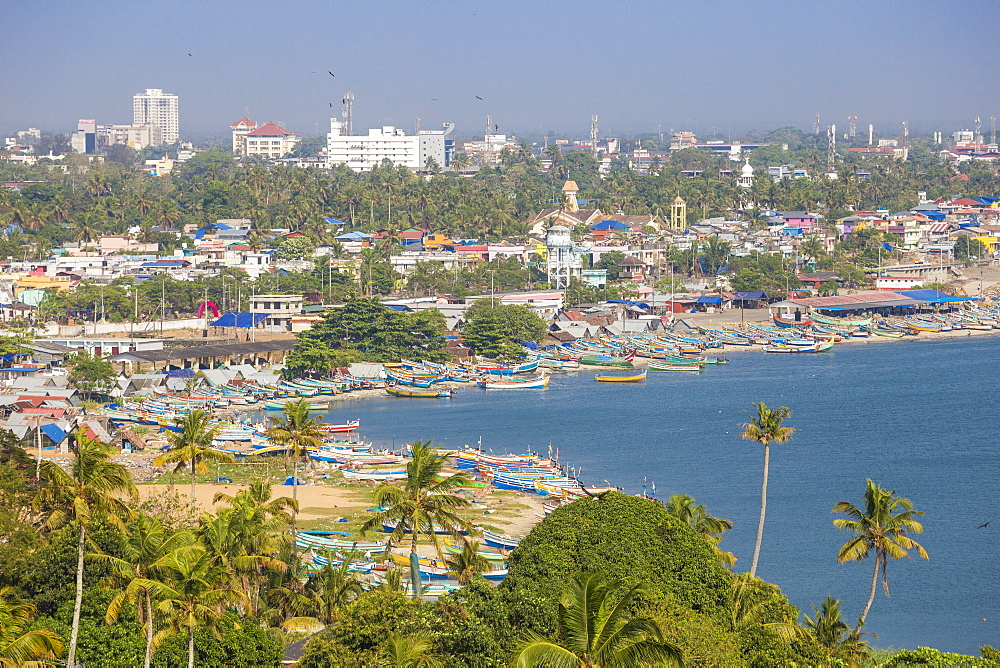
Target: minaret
570,190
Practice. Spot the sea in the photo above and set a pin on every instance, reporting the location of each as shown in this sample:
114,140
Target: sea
916,416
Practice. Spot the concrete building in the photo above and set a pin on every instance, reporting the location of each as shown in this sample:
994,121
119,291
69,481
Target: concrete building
159,108
269,141
138,136
84,140
279,308
240,129
362,153
438,145
564,263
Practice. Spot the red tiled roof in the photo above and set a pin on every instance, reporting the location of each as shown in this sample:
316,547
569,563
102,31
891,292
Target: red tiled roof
965,201
270,130
245,121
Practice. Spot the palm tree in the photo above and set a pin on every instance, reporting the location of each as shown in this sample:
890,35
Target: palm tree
332,587
749,609
191,593
682,506
18,648
467,563
298,432
596,630
426,503
766,429
91,489
148,541
414,651
86,228
836,639
883,526
192,445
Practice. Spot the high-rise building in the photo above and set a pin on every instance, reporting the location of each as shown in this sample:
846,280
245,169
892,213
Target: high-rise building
240,129
159,108
84,140
363,152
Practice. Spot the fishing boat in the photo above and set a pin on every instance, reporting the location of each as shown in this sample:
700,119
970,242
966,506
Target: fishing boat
781,322
374,475
489,556
340,428
840,322
638,378
606,360
417,394
502,541
655,365
538,382
389,526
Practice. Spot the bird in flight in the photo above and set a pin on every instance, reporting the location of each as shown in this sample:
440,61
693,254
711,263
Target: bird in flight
983,526
331,104
478,98
189,54
331,73
434,99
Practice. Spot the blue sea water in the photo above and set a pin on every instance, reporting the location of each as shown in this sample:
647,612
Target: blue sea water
915,416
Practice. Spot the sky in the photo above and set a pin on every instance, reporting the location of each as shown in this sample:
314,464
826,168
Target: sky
540,67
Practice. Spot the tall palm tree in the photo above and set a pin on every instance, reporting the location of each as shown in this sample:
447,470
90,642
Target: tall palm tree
425,503
20,648
332,587
467,563
596,630
192,593
682,506
883,526
297,431
836,639
91,489
766,428
86,227
148,541
192,445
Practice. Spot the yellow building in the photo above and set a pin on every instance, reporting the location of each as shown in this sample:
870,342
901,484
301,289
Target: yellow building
42,283
435,241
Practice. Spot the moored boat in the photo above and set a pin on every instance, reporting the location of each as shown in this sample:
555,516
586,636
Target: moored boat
637,378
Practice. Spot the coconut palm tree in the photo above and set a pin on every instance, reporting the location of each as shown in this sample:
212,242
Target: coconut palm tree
18,648
399,651
836,639
332,587
425,503
298,432
148,541
86,227
883,526
91,489
766,428
682,506
597,630
467,563
192,445
191,593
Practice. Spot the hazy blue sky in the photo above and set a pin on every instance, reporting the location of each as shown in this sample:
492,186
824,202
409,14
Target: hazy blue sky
538,65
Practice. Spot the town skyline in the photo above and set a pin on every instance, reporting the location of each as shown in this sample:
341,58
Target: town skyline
536,70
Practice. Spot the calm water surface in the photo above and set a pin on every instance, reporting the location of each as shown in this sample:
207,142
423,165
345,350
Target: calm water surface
914,416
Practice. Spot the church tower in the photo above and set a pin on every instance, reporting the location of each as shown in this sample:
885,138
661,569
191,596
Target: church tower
678,214
570,190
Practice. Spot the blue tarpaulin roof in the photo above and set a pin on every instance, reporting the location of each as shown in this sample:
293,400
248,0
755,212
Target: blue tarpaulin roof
710,299
934,296
333,221
609,225
397,307
934,215
749,296
234,319
628,303
180,373
162,264
987,200
54,432
354,236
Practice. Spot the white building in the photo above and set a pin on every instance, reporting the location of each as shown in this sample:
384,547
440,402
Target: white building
137,136
362,153
84,140
240,129
159,108
564,263
269,141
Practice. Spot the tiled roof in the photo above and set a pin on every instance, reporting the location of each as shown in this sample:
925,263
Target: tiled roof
245,121
270,130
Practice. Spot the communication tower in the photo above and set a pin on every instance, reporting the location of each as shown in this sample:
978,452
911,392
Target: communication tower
348,113
593,134
816,124
993,129
978,137
416,125
906,133
489,131
871,134
831,149
852,128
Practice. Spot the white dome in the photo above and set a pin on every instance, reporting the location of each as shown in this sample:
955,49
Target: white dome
746,170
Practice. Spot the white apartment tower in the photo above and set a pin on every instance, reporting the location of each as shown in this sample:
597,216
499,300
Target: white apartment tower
159,108
363,152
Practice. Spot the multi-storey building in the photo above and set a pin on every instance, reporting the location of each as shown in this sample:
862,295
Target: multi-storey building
137,136
269,141
240,129
362,153
84,140
159,108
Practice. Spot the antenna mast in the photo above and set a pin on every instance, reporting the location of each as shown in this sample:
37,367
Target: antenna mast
831,150
906,133
489,129
348,113
593,134
852,128
871,134
816,124
416,126
978,137
993,129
